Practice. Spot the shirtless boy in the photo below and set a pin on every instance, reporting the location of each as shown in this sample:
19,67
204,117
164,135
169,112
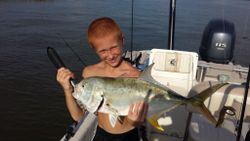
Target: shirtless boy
106,38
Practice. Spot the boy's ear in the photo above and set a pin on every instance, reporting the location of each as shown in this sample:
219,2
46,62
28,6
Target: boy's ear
91,46
123,40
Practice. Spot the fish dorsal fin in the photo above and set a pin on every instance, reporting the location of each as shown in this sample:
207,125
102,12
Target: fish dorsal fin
146,76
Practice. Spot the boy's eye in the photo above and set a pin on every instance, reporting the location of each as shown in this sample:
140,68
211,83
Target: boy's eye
113,48
107,50
102,51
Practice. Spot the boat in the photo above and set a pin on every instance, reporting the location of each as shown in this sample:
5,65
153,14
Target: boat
188,73
183,76
181,71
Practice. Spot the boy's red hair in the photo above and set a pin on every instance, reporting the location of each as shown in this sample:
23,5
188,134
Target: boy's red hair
102,27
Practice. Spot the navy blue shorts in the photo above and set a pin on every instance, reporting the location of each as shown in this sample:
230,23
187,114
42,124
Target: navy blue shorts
102,135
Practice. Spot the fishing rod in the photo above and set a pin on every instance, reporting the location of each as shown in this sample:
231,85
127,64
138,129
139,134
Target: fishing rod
66,43
57,61
239,128
171,24
88,118
132,30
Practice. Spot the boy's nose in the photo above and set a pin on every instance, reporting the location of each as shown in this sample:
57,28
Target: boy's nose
110,54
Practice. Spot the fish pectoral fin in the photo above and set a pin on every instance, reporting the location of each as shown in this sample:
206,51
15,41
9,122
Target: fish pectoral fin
113,119
153,121
113,115
146,99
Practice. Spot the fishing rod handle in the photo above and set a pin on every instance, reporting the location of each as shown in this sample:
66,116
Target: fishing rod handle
57,61
55,58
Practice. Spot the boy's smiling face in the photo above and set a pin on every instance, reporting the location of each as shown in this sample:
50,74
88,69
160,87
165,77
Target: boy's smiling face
109,49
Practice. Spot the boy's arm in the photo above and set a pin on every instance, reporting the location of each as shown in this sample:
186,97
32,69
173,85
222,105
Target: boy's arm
63,77
75,111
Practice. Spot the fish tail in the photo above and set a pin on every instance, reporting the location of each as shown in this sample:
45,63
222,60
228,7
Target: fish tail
196,103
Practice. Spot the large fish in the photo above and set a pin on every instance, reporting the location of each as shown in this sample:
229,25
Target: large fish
114,96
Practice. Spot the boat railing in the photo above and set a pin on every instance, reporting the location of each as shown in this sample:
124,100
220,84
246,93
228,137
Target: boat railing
221,72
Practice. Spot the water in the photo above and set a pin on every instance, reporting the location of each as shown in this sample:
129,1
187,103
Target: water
32,103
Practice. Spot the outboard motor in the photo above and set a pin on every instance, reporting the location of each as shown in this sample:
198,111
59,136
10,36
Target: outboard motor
217,43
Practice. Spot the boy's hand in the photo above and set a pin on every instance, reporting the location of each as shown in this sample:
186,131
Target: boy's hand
63,77
137,113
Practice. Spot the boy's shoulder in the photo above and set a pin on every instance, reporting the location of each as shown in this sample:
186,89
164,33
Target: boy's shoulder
130,71
99,69
91,70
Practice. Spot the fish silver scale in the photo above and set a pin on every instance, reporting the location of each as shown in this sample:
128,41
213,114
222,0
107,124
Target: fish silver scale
114,96
119,93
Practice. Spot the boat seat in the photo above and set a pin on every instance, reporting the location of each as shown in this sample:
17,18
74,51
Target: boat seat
177,71
174,69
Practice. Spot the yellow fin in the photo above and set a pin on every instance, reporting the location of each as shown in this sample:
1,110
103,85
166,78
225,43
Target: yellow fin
153,121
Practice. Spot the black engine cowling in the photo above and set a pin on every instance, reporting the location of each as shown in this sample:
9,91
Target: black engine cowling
218,40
